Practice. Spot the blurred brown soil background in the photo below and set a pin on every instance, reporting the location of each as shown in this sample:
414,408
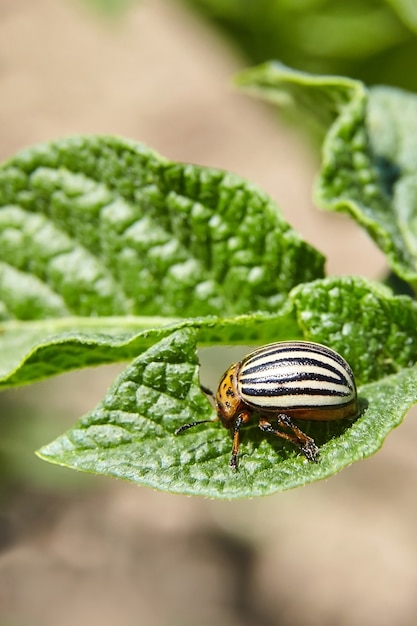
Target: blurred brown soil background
82,550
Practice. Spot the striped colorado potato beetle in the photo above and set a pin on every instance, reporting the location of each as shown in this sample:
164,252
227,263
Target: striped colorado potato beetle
281,381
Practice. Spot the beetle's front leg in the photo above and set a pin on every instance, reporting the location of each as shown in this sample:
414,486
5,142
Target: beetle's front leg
236,441
242,418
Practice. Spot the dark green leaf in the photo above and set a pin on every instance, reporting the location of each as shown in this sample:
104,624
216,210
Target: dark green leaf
369,166
85,342
130,435
100,237
101,226
374,330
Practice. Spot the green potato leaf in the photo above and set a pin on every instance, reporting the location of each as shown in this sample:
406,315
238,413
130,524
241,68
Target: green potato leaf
109,252
102,226
374,330
103,243
130,435
87,342
369,164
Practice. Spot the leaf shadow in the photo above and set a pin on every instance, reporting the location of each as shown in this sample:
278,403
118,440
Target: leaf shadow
321,432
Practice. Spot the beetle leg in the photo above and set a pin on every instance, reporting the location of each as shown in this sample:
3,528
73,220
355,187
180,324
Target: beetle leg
236,441
306,444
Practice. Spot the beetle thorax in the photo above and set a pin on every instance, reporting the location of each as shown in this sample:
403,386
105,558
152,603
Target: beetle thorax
228,402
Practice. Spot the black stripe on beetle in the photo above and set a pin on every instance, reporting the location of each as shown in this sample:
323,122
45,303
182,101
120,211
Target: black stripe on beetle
290,391
300,366
282,381
299,376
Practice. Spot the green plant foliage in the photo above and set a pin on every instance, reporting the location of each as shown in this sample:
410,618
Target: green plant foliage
130,435
100,226
28,353
103,243
374,330
369,167
109,252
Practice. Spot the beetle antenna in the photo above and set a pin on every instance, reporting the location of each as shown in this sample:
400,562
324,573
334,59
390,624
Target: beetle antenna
207,391
190,425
